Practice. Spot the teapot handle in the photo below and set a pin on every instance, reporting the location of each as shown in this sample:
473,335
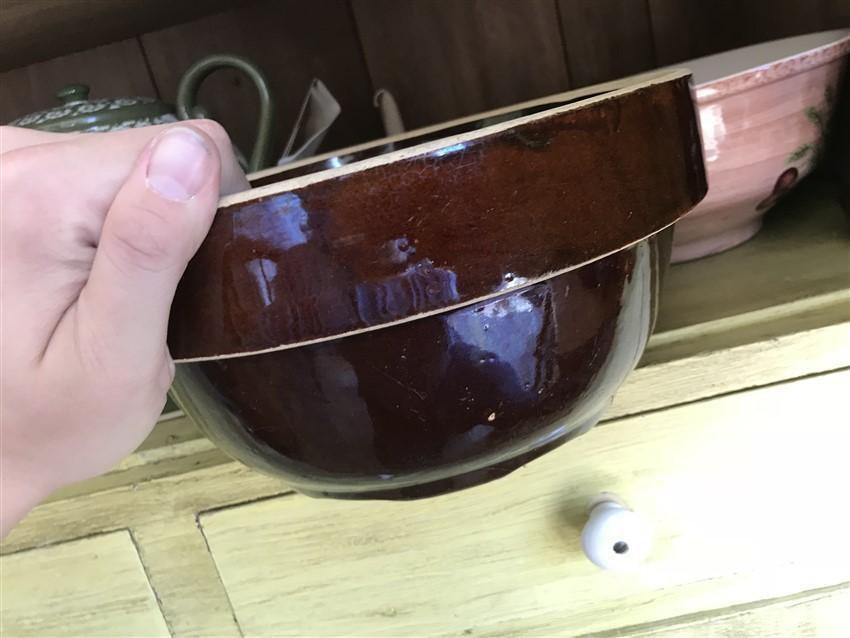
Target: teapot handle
195,75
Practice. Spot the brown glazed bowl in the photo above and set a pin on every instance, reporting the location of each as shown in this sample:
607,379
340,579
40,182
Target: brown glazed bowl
432,311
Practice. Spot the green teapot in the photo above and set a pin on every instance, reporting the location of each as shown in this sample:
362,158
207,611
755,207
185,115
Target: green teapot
78,113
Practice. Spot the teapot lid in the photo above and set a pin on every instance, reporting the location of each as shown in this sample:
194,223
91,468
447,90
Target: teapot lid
77,113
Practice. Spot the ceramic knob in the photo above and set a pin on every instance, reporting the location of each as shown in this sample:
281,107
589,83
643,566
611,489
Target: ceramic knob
614,536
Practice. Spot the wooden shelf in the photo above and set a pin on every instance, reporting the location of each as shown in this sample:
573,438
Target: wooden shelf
36,30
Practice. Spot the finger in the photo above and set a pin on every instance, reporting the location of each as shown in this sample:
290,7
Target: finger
14,137
154,226
83,154
56,192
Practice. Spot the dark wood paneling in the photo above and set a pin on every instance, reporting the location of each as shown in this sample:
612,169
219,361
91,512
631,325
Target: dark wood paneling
113,70
446,58
35,30
293,41
606,39
837,14
440,58
685,30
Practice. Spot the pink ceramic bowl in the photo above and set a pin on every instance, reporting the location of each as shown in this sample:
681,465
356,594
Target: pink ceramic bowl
763,111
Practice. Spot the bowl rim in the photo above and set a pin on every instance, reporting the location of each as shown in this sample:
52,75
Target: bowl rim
666,95
773,70
595,93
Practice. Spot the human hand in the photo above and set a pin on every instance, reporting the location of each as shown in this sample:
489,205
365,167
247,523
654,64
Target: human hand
95,233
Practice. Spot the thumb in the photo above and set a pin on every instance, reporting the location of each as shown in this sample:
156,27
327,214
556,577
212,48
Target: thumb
154,226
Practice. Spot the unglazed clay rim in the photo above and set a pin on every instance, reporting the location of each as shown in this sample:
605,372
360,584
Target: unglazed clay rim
609,91
773,71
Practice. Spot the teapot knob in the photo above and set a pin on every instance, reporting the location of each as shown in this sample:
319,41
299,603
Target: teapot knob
73,93
614,536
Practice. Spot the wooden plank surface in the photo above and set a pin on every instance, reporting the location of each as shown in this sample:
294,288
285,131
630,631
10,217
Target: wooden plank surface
36,30
292,42
161,511
822,613
606,39
91,587
442,59
137,505
837,14
731,485
113,70
686,30
715,372
183,573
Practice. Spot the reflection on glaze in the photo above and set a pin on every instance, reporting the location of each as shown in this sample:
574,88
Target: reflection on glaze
283,219
713,127
421,288
448,150
399,250
509,325
264,270
439,403
510,281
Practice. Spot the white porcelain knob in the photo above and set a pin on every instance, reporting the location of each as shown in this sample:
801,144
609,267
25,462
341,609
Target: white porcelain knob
614,536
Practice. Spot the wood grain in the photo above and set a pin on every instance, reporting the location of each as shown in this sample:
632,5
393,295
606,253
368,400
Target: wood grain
181,569
137,505
712,373
146,465
837,14
113,70
442,59
32,31
606,39
686,30
731,486
161,511
91,587
820,613
292,42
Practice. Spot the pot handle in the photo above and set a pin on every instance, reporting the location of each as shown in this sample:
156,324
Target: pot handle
195,75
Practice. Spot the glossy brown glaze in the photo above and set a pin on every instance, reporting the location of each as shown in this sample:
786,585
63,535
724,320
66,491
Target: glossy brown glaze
374,149
442,402
440,226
